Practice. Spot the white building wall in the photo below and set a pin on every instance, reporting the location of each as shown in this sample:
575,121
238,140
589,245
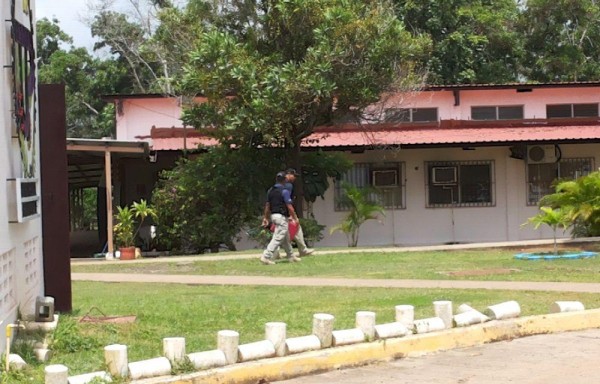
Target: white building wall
21,264
417,224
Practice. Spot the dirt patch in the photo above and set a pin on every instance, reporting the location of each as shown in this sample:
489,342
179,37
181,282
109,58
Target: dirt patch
482,272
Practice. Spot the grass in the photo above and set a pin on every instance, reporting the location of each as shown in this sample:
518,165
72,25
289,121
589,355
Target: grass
490,264
199,312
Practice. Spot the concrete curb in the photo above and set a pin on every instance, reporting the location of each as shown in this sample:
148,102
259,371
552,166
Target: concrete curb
282,368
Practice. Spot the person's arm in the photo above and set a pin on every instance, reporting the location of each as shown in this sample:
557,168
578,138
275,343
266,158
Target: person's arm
289,203
266,214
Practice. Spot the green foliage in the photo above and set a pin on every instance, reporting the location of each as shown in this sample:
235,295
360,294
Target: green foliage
206,201
86,80
292,66
473,41
554,218
361,210
312,230
68,338
128,226
317,168
561,40
580,201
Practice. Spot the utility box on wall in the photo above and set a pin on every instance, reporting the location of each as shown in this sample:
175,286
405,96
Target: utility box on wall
23,199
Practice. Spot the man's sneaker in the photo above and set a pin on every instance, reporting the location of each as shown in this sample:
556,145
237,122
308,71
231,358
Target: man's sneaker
307,251
266,261
294,259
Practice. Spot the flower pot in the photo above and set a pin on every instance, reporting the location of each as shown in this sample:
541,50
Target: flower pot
127,253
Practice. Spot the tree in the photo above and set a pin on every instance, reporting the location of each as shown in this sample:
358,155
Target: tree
86,79
561,40
286,67
361,210
474,41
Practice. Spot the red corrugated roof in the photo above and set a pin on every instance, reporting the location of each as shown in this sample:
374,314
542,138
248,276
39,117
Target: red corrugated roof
417,136
437,136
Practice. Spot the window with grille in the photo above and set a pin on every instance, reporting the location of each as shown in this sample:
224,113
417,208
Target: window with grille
460,184
414,115
508,112
554,111
385,179
541,177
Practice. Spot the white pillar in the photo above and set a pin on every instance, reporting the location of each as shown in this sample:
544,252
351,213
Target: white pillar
228,341
323,328
443,310
174,348
504,310
405,314
365,321
56,374
115,357
276,333
160,366
566,306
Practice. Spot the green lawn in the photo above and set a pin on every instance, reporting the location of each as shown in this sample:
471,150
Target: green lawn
199,312
493,264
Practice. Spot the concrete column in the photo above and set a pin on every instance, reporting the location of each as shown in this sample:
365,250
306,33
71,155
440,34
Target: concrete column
323,328
302,344
276,333
56,374
174,348
115,357
429,325
208,359
256,350
566,306
506,310
228,342
443,310
160,366
365,321
405,314
348,336
386,331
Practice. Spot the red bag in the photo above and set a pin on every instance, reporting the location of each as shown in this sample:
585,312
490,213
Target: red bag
292,228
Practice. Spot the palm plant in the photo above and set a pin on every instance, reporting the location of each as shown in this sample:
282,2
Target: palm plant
554,218
580,201
126,229
361,210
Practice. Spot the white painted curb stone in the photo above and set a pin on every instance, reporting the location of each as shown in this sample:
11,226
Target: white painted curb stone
443,310
566,306
302,344
254,351
506,310
323,328
276,333
174,348
115,357
348,336
208,359
365,321
386,331
228,341
159,366
405,314
56,374
430,324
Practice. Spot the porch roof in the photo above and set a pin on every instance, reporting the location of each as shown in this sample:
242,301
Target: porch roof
417,136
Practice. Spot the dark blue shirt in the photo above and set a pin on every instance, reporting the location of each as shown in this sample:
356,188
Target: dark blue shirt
286,193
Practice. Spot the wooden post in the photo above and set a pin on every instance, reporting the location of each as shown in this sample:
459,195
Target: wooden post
109,209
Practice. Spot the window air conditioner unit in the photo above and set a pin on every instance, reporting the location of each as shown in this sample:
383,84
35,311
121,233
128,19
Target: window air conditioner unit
444,175
23,200
385,178
541,154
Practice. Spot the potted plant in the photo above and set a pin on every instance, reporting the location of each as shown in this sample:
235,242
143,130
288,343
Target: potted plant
127,226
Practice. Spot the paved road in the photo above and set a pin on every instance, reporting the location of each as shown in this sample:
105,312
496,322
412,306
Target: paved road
571,357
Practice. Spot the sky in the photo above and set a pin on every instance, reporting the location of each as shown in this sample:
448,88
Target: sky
69,14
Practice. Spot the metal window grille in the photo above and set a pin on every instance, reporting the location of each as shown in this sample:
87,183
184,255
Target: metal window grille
541,177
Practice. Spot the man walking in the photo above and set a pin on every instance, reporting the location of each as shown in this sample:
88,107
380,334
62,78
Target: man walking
290,178
279,209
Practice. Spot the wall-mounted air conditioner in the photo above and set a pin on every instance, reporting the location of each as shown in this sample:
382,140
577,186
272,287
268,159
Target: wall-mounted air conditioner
23,199
444,175
541,154
385,178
